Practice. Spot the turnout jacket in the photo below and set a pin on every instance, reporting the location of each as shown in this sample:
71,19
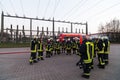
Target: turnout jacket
33,46
86,51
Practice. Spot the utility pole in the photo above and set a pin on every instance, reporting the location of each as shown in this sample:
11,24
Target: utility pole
2,25
23,31
38,31
11,32
86,28
79,31
76,30
66,30
30,29
71,28
47,32
53,30
17,34
62,29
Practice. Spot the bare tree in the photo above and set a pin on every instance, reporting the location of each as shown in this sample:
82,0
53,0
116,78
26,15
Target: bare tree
112,28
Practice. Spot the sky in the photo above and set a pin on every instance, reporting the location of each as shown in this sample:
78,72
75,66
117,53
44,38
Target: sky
94,12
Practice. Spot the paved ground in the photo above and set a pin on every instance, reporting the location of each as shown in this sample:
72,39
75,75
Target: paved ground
59,67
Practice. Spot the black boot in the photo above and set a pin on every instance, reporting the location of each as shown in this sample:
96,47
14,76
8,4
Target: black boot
35,61
31,63
38,59
86,76
42,58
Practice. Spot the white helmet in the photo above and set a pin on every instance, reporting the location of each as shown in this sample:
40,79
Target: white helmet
105,37
68,39
57,40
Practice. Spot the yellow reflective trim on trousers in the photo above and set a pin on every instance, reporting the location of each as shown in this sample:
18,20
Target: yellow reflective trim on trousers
106,52
40,50
101,52
87,74
41,56
87,61
30,60
101,62
34,51
38,57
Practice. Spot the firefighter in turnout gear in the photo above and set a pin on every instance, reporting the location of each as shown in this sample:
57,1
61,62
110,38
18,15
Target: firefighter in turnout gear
48,49
74,46
106,50
78,45
40,50
86,55
100,53
95,41
57,47
33,55
68,48
52,46
63,45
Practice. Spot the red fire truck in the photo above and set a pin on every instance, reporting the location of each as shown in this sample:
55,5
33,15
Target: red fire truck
63,36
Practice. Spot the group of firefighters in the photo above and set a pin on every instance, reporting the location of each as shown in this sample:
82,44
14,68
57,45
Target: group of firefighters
87,50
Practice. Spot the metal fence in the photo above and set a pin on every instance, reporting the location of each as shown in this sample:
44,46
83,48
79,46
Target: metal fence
16,34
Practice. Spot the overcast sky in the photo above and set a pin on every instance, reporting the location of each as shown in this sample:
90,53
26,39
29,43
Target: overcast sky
95,12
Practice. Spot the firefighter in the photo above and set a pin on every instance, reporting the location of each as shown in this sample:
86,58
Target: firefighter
86,57
57,47
33,46
95,41
52,46
100,53
74,45
68,48
40,50
106,50
63,45
48,49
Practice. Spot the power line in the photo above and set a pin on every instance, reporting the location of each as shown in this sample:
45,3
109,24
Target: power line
3,7
89,8
103,11
46,7
13,7
37,12
22,7
73,8
77,9
56,5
